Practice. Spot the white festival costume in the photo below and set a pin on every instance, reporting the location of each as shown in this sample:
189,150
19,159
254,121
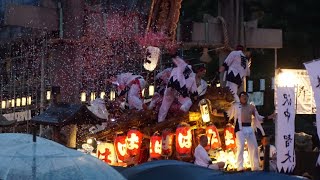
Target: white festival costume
236,66
181,85
135,84
163,78
246,133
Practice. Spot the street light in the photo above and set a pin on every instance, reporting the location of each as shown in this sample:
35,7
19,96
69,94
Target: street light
48,95
83,97
3,104
92,96
151,90
102,94
112,95
18,102
29,100
12,102
23,101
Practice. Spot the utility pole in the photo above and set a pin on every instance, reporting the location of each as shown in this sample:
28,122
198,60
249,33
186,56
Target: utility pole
42,74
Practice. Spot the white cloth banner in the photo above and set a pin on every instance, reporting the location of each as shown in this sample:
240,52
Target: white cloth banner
298,78
19,116
285,129
313,69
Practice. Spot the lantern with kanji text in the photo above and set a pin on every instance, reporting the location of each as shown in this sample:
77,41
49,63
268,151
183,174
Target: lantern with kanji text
229,137
134,141
183,141
155,146
121,147
106,152
205,108
167,140
212,133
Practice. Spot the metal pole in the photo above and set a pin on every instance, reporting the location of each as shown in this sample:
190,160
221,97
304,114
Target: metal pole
275,58
42,88
1,92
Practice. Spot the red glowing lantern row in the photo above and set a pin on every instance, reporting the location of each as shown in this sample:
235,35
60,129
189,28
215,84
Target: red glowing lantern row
213,135
229,136
155,146
183,141
167,140
121,147
106,152
134,141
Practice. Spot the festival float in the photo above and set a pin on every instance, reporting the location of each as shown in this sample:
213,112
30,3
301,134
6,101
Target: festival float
126,137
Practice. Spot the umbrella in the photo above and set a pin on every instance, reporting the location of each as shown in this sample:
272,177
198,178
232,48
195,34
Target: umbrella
4,122
168,169
253,175
21,158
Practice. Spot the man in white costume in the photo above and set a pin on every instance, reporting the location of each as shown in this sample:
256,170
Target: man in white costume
246,120
181,85
237,67
132,85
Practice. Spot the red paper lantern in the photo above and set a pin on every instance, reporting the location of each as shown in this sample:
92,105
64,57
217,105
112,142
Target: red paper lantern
106,152
167,140
121,147
183,141
229,137
213,134
155,146
134,140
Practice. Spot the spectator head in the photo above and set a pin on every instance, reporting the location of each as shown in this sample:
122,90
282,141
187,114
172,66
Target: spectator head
239,48
203,140
265,140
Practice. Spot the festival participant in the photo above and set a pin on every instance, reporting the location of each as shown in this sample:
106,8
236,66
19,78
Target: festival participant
131,85
181,86
242,114
201,84
202,158
237,66
162,79
267,152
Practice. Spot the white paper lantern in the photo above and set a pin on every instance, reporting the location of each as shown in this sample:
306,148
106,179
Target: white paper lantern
152,58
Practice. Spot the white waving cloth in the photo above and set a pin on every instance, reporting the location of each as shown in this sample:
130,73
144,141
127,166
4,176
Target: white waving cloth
124,80
181,86
182,78
98,108
236,65
164,75
314,75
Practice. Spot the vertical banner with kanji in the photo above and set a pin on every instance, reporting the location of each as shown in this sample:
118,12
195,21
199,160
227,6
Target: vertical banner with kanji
285,129
313,69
